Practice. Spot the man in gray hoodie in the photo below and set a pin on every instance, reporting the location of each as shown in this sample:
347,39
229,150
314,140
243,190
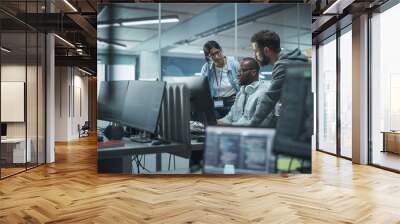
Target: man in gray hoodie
267,49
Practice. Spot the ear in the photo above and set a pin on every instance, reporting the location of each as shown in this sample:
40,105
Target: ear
254,74
266,51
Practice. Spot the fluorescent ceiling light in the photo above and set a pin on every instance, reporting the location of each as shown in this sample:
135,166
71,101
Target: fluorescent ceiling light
107,25
65,41
70,5
338,6
112,44
5,50
151,21
139,21
84,71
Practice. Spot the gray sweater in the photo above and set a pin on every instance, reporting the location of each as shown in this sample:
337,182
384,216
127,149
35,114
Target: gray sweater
273,94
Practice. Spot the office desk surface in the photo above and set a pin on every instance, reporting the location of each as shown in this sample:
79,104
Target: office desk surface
13,140
131,148
196,146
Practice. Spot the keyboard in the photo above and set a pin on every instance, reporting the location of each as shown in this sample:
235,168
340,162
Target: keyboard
196,128
140,139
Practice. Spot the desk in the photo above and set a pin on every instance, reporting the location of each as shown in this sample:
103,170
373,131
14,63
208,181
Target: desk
135,148
13,150
391,141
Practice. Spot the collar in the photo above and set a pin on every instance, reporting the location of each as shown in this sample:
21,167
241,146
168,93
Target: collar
225,68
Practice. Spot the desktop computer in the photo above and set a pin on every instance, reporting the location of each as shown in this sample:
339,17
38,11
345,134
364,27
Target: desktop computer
142,107
201,103
110,101
109,106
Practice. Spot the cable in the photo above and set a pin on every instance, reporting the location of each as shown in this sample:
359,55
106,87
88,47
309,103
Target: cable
290,164
169,162
139,164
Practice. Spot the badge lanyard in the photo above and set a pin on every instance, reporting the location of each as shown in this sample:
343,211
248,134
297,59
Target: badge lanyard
219,103
216,80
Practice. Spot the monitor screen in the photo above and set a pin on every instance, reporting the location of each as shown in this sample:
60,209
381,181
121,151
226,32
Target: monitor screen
231,150
143,104
3,129
202,106
295,126
111,100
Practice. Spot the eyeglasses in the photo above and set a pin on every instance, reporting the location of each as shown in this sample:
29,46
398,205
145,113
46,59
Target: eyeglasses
217,52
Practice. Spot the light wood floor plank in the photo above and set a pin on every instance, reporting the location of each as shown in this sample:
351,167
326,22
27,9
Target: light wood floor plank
71,191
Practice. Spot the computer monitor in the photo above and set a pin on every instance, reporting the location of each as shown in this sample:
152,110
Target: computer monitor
3,129
110,102
232,149
295,125
142,105
201,103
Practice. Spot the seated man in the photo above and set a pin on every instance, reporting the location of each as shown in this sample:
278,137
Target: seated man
251,90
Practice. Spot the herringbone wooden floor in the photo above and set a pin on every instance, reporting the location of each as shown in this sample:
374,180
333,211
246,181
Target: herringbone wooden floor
70,191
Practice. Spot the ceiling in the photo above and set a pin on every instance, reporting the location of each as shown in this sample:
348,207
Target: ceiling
200,23
32,16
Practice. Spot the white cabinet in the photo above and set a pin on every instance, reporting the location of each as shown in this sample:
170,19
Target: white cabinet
18,149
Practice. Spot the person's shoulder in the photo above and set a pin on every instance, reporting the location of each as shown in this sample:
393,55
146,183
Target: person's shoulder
205,67
231,60
263,86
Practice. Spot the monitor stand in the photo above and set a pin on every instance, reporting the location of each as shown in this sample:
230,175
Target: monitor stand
141,138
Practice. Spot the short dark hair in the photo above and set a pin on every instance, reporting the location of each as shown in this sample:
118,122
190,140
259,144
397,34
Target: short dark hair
252,63
266,38
208,46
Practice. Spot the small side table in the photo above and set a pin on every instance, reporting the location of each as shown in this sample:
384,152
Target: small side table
391,141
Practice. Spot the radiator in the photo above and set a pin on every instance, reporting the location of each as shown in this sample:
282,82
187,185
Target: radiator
175,116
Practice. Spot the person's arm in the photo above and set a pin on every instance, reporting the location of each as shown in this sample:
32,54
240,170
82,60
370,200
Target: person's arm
227,119
267,102
204,70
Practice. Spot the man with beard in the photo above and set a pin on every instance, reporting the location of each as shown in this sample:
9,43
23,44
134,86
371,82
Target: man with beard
267,50
248,97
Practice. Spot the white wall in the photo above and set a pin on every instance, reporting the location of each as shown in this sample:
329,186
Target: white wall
70,83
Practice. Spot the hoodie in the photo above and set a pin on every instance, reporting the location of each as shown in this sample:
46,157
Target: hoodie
272,96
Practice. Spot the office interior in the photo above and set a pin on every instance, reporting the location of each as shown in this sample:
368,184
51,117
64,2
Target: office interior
171,50
357,82
47,79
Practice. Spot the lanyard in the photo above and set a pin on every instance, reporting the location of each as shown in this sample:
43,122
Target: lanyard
216,76
216,80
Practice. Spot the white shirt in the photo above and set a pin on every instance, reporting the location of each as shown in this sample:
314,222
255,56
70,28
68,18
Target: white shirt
222,84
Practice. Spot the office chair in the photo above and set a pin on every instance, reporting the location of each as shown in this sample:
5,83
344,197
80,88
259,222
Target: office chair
84,130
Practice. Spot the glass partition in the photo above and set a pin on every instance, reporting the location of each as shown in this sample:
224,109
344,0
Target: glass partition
22,89
385,89
327,95
346,93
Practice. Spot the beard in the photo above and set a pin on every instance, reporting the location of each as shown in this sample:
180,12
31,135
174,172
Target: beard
265,60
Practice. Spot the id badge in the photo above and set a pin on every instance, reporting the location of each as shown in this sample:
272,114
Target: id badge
218,103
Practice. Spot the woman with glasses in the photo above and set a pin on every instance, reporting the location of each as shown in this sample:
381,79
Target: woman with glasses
221,72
